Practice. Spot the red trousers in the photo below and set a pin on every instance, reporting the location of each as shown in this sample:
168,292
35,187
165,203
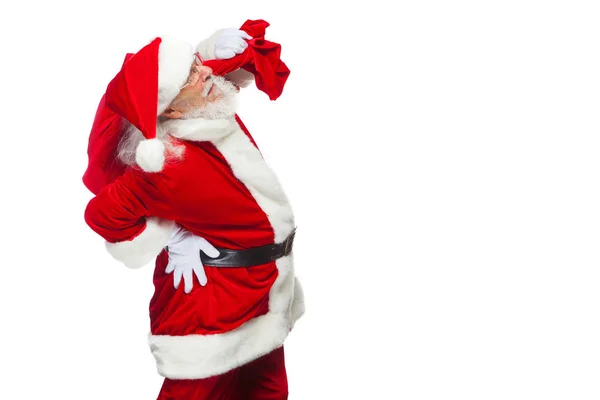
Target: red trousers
262,379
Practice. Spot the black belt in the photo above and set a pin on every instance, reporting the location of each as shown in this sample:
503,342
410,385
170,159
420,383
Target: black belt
250,257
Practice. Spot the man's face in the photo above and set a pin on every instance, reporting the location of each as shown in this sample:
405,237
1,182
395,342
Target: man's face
197,93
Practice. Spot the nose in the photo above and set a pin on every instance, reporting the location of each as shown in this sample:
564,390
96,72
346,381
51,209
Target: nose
205,73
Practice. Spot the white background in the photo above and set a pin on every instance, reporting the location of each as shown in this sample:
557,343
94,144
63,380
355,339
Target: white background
442,159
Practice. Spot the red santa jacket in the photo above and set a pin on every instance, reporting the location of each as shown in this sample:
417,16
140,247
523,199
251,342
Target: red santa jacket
221,189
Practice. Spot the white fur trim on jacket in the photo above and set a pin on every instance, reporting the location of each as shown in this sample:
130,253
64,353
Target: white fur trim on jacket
175,59
144,248
298,307
201,356
249,167
199,129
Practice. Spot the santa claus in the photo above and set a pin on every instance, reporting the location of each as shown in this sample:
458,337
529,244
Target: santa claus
178,179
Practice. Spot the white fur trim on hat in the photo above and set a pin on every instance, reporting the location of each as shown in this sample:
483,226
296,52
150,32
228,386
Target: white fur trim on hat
150,155
175,59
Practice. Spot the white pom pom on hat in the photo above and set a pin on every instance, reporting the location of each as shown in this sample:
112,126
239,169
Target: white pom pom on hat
150,155
143,89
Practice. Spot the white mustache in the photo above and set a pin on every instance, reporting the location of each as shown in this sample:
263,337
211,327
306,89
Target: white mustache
209,85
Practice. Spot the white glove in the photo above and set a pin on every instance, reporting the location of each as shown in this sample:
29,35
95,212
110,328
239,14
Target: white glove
230,42
184,257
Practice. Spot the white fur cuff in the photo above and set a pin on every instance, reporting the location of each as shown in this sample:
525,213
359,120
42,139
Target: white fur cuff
146,246
206,48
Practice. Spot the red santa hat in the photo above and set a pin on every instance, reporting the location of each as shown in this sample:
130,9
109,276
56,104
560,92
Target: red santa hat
144,87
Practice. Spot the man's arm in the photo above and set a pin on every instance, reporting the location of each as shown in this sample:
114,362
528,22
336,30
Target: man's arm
121,211
223,44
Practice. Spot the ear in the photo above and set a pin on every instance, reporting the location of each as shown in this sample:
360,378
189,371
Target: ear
171,113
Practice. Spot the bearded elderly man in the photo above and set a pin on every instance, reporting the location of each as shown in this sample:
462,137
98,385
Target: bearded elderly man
189,188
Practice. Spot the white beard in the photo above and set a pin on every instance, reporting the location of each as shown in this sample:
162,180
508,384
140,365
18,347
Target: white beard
223,108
